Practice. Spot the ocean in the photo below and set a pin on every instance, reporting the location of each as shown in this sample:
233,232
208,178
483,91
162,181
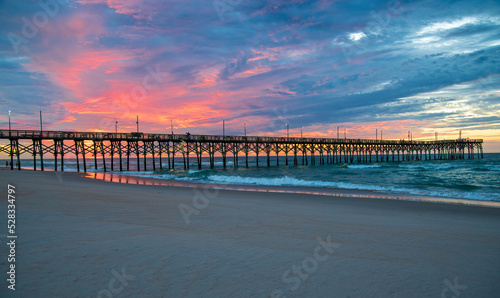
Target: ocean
469,179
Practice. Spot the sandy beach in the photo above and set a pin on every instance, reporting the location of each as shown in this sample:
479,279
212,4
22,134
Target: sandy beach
80,237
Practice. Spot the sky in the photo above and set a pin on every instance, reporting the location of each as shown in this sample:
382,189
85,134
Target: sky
362,66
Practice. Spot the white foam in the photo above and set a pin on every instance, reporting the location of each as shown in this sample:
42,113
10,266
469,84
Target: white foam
289,181
430,167
363,166
217,163
138,174
456,195
195,171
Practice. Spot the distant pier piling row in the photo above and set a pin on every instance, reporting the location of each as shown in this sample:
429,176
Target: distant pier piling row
122,147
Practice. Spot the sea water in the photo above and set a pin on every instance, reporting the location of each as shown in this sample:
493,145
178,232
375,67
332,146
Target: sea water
469,179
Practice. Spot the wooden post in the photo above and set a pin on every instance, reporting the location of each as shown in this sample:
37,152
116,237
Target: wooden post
103,152
61,147
211,154
173,155
138,153
313,158
235,156
286,154
198,155
277,154
153,155
159,154
120,154
224,152
95,155
128,156
17,154
295,160
145,151
268,151
55,155
187,155
168,155
111,153
12,154
76,154
246,154
257,154
34,155
183,154
41,155
304,159
84,151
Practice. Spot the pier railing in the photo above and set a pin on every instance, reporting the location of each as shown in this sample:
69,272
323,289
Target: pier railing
70,135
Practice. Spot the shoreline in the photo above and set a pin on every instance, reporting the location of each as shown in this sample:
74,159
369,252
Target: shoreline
468,182
124,178
317,191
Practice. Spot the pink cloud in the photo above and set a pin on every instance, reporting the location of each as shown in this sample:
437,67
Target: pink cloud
136,8
67,119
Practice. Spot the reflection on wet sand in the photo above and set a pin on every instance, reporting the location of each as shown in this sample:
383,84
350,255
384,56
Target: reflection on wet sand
345,193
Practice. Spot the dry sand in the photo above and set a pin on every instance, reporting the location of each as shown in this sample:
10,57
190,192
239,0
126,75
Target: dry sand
80,237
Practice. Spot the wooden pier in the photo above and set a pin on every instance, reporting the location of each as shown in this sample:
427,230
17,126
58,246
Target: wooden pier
122,147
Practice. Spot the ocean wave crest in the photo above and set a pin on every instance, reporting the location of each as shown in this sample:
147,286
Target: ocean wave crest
290,181
363,166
